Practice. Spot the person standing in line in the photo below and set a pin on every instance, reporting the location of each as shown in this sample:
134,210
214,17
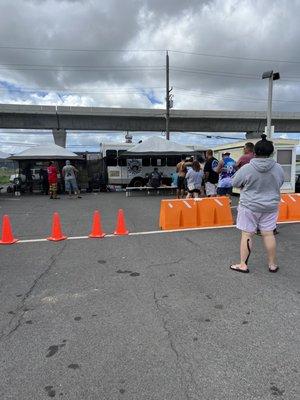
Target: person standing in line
210,176
247,156
44,180
194,178
226,169
68,173
155,178
52,179
181,171
260,182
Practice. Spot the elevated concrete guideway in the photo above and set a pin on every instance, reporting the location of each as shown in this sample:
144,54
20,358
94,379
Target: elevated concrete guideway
61,118
137,119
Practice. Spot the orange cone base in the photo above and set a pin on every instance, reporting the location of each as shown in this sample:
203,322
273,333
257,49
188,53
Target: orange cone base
57,239
10,242
92,236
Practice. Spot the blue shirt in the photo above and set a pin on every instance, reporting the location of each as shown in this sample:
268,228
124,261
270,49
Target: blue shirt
227,172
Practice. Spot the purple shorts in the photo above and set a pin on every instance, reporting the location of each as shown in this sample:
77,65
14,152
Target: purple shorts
249,221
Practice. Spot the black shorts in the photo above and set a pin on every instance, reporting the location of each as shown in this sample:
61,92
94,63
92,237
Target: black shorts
181,183
223,191
194,191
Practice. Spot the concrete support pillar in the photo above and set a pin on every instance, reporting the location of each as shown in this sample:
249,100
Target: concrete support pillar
60,137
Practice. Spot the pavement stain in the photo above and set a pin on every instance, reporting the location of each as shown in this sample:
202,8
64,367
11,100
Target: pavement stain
275,391
50,391
245,322
78,318
219,306
125,271
29,322
74,366
54,349
122,391
101,261
135,274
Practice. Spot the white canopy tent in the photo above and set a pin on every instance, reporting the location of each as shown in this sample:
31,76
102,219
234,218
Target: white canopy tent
158,145
3,156
45,152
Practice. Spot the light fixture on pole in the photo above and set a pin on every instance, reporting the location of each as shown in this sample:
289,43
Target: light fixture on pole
272,76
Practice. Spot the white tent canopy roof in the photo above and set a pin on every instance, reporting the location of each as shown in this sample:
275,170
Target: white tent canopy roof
3,156
45,152
158,145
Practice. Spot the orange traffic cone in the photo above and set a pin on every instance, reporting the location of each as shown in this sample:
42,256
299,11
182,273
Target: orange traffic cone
97,228
56,234
7,234
121,225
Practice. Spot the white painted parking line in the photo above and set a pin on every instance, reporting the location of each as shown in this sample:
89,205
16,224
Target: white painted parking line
202,228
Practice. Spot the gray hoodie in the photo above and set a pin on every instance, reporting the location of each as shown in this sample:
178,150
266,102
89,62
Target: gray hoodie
260,182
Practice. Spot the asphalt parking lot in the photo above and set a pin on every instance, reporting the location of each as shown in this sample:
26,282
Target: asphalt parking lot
156,316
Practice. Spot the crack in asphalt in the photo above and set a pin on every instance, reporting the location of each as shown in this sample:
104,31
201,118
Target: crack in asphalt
21,309
190,384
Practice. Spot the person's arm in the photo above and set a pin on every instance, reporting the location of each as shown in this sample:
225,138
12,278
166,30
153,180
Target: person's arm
219,167
238,163
63,171
239,178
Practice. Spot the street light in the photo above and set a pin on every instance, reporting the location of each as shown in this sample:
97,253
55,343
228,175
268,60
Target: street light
272,76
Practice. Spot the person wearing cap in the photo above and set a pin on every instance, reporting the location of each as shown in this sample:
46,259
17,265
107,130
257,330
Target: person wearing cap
68,172
226,169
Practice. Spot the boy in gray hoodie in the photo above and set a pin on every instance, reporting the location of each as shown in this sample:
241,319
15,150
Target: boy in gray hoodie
260,182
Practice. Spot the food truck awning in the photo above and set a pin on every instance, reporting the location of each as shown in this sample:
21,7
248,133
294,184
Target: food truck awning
45,152
158,145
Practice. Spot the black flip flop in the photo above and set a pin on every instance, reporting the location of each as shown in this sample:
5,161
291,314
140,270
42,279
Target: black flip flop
245,271
274,270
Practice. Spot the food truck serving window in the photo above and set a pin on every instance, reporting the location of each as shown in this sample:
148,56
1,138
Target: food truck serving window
111,158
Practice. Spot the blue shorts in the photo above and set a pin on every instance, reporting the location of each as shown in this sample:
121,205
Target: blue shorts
71,185
222,191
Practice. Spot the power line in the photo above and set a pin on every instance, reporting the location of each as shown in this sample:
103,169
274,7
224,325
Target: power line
235,57
91,69
84,50
201,54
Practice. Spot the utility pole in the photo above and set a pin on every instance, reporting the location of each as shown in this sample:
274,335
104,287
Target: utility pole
272,76
167,98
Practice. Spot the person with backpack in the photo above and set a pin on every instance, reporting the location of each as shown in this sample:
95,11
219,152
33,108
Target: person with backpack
155,178
260,182
210,176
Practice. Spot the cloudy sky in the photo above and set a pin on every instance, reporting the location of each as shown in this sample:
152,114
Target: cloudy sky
111,53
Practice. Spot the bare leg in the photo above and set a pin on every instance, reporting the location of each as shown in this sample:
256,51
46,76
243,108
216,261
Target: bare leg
270,245
245,250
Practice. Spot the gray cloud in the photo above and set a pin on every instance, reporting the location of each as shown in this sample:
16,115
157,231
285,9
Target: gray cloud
244,28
